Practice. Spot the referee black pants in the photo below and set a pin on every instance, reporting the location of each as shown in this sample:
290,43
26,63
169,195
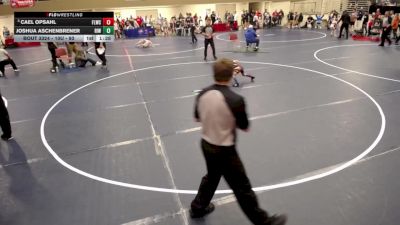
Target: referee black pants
344,26
206,43
225,161
4,119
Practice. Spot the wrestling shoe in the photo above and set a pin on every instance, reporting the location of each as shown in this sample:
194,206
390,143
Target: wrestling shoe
6,138
201,213
277,220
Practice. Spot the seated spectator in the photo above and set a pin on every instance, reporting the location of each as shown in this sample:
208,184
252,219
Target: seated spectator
310,22
252,37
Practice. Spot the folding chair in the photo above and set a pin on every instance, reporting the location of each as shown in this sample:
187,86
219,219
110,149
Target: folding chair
235,42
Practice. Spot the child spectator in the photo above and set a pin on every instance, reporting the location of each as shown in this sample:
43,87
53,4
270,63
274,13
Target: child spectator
333,26
319,21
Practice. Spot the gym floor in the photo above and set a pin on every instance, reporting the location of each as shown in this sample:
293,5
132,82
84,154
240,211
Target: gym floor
119,145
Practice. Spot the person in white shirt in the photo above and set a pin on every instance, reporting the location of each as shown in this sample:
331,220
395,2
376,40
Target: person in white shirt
117,32
255,21
5,59
201,22
236,17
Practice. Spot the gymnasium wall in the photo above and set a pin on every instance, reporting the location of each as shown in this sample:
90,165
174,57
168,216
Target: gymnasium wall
168,11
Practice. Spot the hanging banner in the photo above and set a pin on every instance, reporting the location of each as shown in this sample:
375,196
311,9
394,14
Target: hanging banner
22,3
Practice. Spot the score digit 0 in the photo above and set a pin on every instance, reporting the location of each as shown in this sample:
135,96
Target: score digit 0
108,30
108,21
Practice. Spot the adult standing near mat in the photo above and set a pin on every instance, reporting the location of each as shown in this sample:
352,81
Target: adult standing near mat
52,48
100,48
5,121
220,111
208,33
345,18
5,59
386,29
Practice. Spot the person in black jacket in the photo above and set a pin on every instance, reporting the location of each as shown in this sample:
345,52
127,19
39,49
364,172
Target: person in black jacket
220,112
5,121
213,17
300,19
345,18
193,33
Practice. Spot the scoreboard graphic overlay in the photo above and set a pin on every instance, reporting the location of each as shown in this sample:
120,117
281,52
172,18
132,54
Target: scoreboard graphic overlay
64,26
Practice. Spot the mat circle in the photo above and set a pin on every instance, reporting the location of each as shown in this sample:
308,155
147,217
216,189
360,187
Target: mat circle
296,181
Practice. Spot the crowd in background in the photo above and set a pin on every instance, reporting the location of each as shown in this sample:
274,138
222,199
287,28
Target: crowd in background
184,25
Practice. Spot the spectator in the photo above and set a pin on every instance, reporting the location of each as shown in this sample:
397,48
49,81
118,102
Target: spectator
52,48
290,18
193,33
395,25
267,19
213,18
387,28
365,28
300,19
281,15
6,59
333,26
255,21
5,121
319,21
345,18
310,22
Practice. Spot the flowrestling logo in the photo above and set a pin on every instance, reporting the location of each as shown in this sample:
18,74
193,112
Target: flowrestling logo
22,3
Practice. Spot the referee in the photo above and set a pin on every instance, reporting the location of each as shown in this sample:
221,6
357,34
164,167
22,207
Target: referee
220,111
208,33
